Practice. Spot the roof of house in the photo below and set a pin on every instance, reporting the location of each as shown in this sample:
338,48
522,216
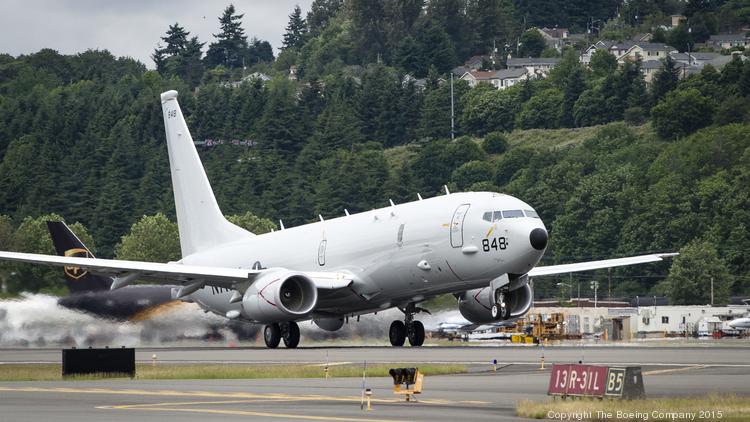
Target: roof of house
531,61
695,56
728,37
460,70
481,75
555,32
652,64
655,46
475,59
510,73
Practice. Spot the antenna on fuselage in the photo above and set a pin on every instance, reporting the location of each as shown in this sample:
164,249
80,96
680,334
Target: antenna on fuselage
393,208
346,211
281,224
447,192
321,218
419,196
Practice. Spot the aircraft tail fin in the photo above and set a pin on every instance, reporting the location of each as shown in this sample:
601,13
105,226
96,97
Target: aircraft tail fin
200,221
68,244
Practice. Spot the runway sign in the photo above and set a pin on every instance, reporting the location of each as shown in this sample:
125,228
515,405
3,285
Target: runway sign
98,361
577,380
596,381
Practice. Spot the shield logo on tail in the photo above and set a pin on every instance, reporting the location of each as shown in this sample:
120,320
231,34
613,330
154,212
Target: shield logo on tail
76,273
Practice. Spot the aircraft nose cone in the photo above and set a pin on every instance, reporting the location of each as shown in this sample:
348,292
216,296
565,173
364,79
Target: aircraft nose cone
538,238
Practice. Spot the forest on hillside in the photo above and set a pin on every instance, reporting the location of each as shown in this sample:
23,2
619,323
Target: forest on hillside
615,167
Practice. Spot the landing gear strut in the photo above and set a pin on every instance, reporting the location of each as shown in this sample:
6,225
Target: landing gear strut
499,308
409,328
287,331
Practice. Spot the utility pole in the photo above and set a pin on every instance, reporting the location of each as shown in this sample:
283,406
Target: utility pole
609,284
712,291
595,288
453,132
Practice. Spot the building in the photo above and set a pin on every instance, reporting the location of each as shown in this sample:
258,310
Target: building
645,52
627,323
677,20
539,66
500,79
727,41
554,37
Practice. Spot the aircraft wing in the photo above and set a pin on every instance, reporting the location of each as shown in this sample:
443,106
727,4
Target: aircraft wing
597,265
170,273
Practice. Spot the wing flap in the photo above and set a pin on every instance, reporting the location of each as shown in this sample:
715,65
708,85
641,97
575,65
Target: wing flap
597,265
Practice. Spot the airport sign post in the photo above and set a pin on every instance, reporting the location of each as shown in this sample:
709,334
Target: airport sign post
596,381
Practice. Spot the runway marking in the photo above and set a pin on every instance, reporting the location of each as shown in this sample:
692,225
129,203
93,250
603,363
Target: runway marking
666,371
238,395
155,407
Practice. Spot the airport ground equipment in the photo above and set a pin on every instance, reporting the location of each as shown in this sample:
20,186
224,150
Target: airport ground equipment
612,382
98,361
407,381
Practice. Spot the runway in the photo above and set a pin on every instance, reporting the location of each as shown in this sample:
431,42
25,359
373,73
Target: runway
479,395
725,354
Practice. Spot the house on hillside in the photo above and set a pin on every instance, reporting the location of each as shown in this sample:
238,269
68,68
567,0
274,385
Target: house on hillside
676,20
555,37
539,66
500,79
599,45
727,41
475,62
646,52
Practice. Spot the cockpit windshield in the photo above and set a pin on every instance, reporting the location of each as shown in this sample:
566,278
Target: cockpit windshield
493,216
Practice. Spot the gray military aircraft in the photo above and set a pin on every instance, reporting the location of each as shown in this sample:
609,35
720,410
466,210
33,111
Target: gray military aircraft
483,247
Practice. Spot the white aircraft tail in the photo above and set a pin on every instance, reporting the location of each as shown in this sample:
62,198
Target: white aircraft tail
199,219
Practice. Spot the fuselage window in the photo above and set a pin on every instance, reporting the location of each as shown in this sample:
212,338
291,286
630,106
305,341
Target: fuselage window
531,213
512,214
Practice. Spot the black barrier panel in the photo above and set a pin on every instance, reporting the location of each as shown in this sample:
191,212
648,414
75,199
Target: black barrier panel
98,361
626,383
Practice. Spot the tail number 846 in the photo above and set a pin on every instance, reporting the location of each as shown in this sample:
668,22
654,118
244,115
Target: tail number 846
495,243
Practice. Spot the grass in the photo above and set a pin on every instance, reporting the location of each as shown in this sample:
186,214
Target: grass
732,408
52,372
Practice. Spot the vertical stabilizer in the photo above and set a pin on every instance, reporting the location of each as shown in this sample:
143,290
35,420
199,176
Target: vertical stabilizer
199,219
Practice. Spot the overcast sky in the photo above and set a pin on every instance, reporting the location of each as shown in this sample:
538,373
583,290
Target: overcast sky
130,27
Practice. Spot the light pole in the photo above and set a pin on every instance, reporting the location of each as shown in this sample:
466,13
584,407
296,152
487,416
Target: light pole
595,287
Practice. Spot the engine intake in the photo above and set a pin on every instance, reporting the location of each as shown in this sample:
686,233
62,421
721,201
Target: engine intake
280,295
475,305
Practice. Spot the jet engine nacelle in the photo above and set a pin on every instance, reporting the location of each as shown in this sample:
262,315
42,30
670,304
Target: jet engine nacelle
279,295
475,304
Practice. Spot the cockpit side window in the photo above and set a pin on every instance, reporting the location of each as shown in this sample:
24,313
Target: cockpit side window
487,216
531,213
512,214
497,215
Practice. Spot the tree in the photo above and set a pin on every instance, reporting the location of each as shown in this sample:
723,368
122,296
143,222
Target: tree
231,42
665,79
320,14
680,38
486,109
295,30
681,113
532,43
542,111
436,48
495,143
470,173
252,223
154,238
603,63
175,40
689,279
574,87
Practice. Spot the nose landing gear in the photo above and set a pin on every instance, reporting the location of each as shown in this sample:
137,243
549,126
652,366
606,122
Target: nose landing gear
500,309
409,328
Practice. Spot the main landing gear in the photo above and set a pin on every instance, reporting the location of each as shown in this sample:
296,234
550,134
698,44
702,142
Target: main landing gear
499,309
287,331
413,330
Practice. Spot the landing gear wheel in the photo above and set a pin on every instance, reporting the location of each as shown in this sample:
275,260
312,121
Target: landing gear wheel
415,332
397,333
272,335
290,334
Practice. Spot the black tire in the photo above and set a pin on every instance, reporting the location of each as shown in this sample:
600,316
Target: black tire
290,334
505,312
495,312
415,332
397,333
272,335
